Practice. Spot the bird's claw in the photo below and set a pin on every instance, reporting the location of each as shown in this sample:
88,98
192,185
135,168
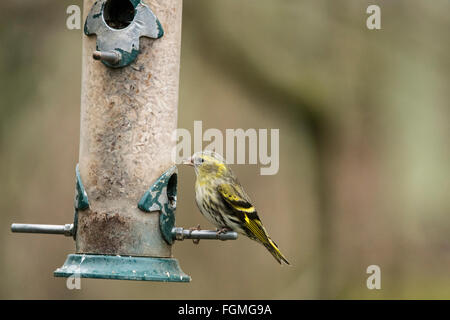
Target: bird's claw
222,230
195,241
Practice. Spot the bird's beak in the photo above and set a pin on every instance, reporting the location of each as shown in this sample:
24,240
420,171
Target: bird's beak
188,162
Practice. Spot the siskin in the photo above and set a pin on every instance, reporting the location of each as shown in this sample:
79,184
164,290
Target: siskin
222,200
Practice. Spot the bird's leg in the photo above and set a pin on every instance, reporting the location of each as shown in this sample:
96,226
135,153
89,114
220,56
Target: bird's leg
195,241
222,230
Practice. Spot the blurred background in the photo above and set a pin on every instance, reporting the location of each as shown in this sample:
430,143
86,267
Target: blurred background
364,147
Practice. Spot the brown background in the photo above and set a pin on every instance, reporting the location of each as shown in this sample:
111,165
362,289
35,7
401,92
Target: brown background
364,147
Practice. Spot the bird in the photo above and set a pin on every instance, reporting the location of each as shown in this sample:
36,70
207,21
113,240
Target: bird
224,203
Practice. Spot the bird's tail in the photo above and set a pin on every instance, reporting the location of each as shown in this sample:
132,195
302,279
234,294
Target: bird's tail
256,231
273,249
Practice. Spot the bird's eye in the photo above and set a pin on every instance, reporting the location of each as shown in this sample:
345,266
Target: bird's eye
202,160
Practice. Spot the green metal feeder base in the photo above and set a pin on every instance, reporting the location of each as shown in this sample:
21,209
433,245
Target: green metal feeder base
122,268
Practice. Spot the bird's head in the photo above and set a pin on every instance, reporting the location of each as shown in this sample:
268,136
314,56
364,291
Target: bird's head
208,163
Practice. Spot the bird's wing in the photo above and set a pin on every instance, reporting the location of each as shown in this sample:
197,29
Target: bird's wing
235,197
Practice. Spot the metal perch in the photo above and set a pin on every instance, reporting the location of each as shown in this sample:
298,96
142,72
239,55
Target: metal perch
178,233
66,229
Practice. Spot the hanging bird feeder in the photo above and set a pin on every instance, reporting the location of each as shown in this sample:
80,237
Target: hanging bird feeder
126,181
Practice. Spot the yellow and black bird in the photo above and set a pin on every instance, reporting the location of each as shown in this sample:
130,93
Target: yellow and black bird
222,200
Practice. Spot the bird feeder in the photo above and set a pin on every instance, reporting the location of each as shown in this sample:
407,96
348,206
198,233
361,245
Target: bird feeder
126,181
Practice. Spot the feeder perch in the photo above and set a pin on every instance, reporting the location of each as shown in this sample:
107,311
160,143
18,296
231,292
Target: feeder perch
126,182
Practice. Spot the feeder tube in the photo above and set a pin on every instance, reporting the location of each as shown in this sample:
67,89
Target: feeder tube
128,117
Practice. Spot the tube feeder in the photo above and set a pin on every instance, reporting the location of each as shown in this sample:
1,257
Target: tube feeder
126,181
